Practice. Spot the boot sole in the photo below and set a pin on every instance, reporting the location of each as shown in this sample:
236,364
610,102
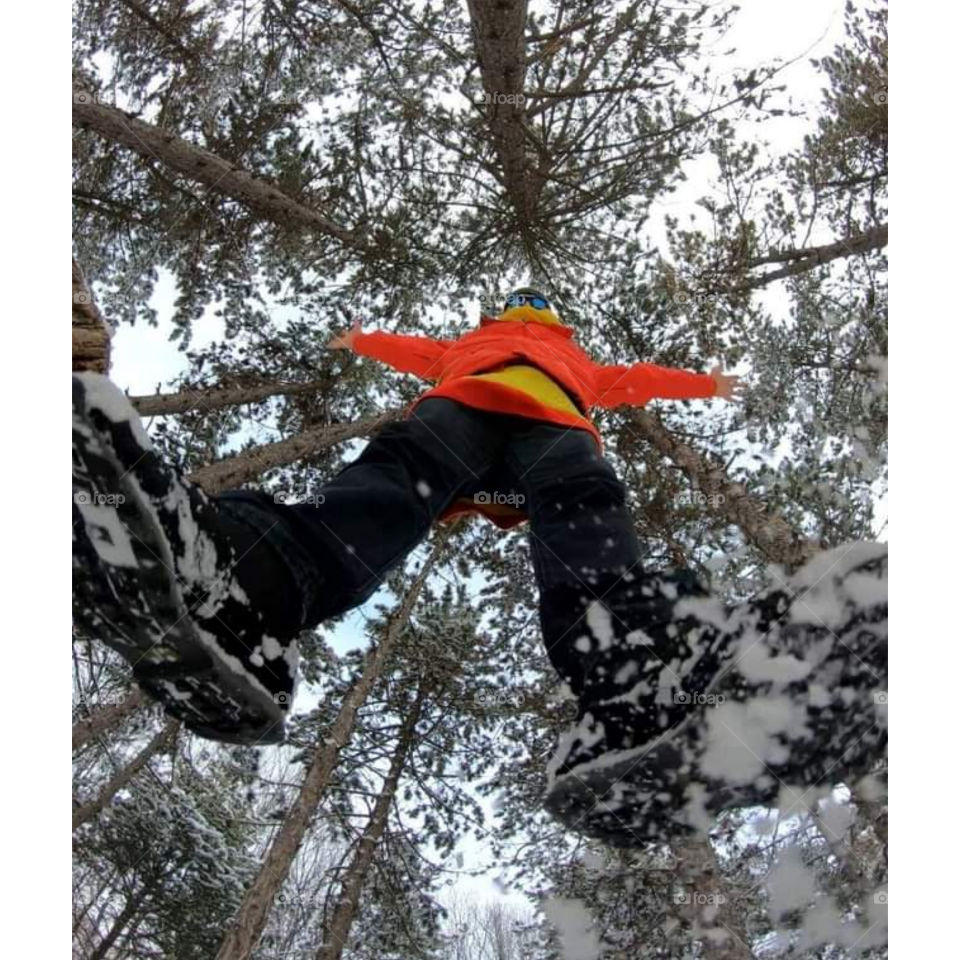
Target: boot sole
641,796
126,594
656,791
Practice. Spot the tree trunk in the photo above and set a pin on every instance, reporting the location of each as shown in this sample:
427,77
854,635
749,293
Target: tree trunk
91,335
154,143
230,472
764,529
710,905
498,34
161,741
116,928
104,718
214,398
251,918
346,908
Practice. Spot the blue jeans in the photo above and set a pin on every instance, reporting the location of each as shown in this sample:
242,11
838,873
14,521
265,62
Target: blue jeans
362,522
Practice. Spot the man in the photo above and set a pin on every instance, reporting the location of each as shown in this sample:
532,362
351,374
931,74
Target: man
206,596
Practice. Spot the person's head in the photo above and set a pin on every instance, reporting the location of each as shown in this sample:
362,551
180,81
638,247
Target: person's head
528,304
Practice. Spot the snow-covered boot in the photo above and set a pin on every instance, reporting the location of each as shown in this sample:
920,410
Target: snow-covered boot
203,609
722,706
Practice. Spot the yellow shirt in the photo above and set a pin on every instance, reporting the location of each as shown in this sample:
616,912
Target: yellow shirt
534,382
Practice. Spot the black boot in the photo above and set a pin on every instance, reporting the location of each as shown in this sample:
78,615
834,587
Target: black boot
688,708
633,663
187,590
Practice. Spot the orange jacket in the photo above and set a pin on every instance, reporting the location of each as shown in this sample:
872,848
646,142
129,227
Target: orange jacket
549,347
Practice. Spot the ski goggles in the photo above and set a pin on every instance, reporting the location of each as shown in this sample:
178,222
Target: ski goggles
522,299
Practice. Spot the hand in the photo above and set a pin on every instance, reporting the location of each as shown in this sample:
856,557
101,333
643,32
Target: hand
345,341
728,385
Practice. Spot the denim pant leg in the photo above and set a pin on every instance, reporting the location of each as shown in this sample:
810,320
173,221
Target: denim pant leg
361,523
582,537
594,592
580,528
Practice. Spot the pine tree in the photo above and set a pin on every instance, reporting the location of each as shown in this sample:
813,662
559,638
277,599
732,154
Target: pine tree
294,166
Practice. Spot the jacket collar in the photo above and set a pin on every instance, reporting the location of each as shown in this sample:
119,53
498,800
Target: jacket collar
557,328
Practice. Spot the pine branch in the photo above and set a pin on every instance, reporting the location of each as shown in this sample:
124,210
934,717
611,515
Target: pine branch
764,529
215,398
251,463
202,166
807,258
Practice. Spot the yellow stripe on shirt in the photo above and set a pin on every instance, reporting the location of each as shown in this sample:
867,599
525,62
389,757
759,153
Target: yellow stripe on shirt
535,383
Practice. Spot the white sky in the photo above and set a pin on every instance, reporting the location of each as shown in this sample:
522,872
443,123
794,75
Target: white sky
763,30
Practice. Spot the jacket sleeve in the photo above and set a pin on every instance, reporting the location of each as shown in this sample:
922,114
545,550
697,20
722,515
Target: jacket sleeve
639,382
418,355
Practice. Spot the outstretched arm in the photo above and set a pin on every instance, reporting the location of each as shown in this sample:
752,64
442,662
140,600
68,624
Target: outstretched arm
639,382
418,355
